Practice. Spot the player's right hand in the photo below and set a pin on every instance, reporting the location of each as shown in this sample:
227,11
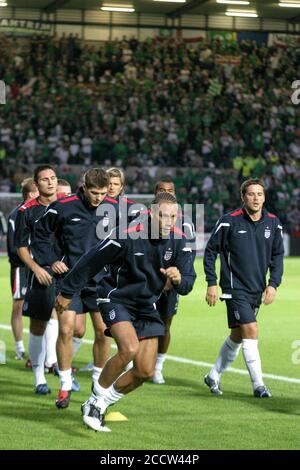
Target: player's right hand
212,295
43,276
59,267
168,285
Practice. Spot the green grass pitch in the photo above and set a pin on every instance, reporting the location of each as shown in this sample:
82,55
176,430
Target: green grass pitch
182,414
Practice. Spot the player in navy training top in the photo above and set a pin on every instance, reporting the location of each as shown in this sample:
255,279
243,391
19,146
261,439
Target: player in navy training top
121,207
40,294
74,222
142,262
249,241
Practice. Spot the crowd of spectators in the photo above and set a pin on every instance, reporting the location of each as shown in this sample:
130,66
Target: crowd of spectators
217,111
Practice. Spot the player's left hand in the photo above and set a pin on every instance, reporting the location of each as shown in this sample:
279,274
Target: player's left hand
173,274
59,267
61,304
269,295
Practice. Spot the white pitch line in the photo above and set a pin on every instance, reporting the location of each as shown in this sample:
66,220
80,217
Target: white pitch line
183,360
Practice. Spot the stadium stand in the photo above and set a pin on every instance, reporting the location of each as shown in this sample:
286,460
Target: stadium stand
208,114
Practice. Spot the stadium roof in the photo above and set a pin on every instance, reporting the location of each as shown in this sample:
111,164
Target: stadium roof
265,8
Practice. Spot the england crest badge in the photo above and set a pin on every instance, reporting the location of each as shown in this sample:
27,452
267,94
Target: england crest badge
112,314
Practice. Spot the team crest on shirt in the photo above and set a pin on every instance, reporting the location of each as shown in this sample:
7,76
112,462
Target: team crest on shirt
105,221
168,254
267,232
112,314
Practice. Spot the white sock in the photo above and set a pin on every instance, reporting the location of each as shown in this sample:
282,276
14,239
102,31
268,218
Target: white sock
51,335
160,362
96,373
65,379
100,393
105,396
76,345
112,395
228,352
37,353
20,347
253,362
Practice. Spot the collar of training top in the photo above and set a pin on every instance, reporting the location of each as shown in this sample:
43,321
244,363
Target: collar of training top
264,215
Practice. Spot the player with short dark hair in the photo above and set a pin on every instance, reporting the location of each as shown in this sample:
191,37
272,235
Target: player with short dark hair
142,258
117,206
74,221
167,304
165,184
18,271
40,294
249,242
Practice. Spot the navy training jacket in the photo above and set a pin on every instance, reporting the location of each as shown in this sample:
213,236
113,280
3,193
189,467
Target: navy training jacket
73,221
25,235
135,279
247,250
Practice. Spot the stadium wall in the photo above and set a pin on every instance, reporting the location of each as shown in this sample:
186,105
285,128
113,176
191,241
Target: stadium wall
97,25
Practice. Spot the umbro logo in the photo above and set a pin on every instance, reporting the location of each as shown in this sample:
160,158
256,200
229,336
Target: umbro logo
139,254
105,221
75,219
242,231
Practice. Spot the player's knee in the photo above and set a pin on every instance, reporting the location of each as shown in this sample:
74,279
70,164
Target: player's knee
167,321
128,353
17,308
79,331
67,331
37,331
249,331
37,327
99,334
236,335
144,372
17,313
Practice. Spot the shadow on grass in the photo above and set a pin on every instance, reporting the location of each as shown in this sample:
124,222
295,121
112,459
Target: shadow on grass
196,388
18,401
283,405
47,416
177,382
